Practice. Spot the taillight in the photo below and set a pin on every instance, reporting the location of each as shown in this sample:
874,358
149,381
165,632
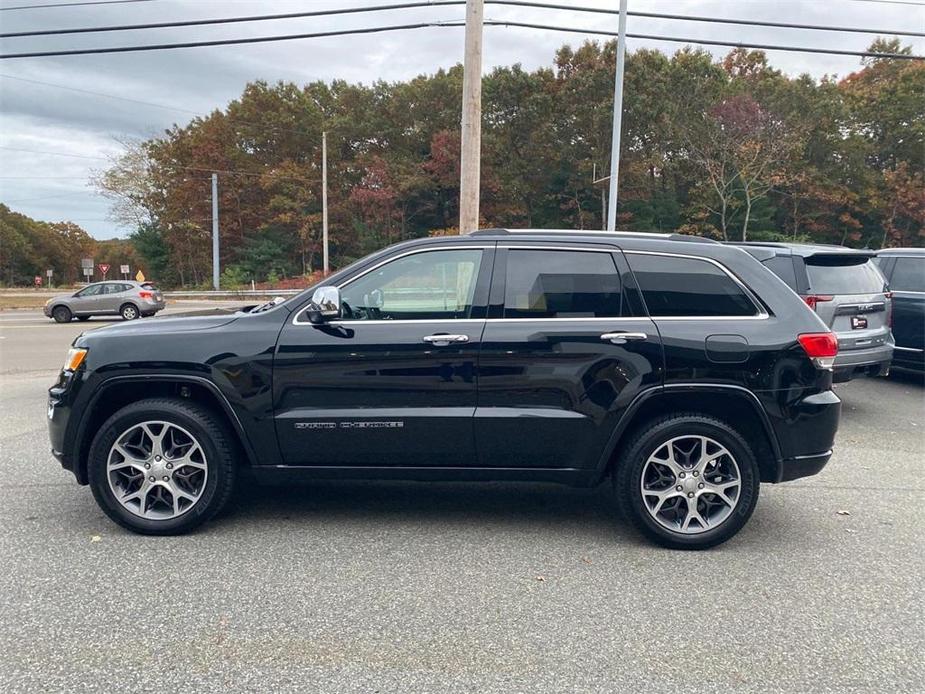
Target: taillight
813,299
145,295
820,347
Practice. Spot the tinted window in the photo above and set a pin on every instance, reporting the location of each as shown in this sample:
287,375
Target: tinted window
423,286
833,275
908,275
782,266
674,286
114,288
561,284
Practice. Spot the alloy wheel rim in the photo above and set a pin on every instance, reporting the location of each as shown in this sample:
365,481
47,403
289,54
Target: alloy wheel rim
691,484
129,313
157,470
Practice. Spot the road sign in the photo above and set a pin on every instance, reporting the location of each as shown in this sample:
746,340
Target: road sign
49,272
139,276
38,280
88,272
104,268
124,269
86,263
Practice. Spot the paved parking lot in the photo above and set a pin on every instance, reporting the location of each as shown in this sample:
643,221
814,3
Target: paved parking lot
400,587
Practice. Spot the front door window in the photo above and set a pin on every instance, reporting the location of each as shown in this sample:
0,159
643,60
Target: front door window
432,285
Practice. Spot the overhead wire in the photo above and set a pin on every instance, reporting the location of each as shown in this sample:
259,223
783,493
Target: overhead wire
533,4
423,25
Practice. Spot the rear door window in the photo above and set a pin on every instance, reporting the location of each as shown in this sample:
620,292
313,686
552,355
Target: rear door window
838,275
688,287
908,275
561,284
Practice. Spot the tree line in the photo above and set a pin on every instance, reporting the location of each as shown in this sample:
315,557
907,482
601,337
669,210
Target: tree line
731,149
29,248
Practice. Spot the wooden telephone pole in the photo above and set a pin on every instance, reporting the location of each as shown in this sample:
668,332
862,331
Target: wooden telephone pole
471,145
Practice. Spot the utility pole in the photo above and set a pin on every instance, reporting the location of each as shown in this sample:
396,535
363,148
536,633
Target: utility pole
470,144
324,200
617,119
215,267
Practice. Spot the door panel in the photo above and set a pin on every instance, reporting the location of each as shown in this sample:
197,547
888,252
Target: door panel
552,391
86,300
376,394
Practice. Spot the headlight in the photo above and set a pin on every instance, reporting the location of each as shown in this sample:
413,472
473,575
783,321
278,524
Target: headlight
75,357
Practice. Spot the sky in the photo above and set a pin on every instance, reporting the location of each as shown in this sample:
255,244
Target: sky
70,133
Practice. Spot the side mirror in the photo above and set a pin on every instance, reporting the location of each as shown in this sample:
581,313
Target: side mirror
325,305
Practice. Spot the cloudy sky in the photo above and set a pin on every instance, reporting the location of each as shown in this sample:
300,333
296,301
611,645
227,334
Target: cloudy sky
55,108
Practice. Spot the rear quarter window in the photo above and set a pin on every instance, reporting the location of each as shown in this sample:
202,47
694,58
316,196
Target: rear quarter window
834,275
782,266
688,287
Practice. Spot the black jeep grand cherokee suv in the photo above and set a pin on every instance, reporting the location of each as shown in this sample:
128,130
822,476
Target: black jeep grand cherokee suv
681,368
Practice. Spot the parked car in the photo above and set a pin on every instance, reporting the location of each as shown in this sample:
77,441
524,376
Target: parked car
848,292
681,369
124,298
904,269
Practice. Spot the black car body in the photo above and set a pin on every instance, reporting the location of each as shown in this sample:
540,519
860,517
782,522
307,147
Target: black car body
904,269
847,291
497,355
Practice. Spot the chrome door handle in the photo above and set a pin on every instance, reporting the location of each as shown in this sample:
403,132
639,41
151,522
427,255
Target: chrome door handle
444,340
623,338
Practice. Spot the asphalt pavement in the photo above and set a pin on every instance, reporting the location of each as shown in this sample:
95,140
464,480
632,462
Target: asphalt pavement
422,587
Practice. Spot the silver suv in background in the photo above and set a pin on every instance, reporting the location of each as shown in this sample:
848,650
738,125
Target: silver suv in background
847,291
124,298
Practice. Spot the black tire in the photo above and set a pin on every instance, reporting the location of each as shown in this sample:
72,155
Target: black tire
628,476
129,312
61,314
215,438
83,318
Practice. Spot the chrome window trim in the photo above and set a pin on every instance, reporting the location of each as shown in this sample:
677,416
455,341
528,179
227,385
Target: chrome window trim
908,349
760,313
413,251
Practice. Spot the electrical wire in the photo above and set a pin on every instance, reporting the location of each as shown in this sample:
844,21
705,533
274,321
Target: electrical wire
452,3
70,4
424,25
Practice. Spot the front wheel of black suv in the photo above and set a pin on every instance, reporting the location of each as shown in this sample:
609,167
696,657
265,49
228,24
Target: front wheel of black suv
687,481
162,466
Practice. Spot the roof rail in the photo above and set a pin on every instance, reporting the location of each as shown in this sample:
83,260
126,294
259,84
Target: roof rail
590,232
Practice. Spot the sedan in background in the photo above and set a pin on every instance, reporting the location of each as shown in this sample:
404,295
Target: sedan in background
847,291
904,269
124,298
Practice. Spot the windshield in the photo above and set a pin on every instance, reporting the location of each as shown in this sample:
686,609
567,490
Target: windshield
832,275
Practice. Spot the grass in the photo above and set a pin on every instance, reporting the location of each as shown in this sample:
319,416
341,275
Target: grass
7,302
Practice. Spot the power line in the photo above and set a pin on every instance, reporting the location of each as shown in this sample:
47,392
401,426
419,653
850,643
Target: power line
706,42
426,25
70,4
448,3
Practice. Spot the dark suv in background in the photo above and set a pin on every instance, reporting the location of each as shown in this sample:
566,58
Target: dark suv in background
847,291
678,367
904,269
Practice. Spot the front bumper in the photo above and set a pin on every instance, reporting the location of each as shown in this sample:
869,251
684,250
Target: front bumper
60,406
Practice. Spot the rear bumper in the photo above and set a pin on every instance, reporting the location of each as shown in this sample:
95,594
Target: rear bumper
803,466
873,361
805,430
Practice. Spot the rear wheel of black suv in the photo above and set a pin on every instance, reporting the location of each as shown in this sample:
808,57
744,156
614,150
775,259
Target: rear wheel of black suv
688,481
162,466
